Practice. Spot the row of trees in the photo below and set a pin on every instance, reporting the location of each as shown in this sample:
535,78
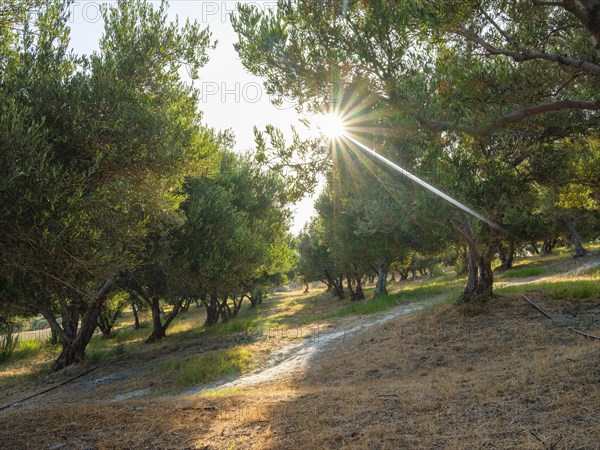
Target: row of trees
494,102
112,190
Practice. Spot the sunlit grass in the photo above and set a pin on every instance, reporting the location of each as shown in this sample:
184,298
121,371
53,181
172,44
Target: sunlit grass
408,292
524,272
27,348
560,289
206,367
288,309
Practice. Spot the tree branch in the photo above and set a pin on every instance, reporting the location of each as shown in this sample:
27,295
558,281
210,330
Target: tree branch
498,28
540,3
527,55
504,121
17,307
566,83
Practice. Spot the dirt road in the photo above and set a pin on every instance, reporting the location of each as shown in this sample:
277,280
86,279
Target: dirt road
287,360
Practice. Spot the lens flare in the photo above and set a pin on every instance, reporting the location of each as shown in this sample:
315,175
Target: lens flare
423,183
330,125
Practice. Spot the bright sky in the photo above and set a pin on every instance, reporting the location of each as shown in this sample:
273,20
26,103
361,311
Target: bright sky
231,97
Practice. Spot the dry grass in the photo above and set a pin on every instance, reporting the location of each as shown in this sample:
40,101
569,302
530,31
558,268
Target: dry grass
504,377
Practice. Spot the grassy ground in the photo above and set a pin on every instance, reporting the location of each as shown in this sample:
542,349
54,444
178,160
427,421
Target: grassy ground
505,378
494,376
193,354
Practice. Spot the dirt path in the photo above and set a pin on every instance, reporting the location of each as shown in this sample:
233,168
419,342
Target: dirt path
291,358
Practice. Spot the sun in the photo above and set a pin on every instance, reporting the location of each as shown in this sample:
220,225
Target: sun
330,125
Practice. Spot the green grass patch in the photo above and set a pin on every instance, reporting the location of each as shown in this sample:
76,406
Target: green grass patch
567,290
206,367
233,326
524,272
408,293
98,353
423,291
30,348
593,271
373,306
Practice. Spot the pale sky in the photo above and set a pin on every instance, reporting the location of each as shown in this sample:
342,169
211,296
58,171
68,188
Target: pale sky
231,97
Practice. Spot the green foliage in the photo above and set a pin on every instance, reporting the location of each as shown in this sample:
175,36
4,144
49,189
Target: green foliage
94,151
475,97
236,230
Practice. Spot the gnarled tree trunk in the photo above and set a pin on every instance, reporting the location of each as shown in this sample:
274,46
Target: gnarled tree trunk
506,256
74,334
381,286
480,277
579,249
549,245
106,322
211,305
136,323
337,287
159,328
359,292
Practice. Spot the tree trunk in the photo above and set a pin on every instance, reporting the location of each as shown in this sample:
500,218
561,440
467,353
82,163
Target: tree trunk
502,255
71,353
579,249
237,304
106,322
136,319
511,255
534,247
334,283
381,286
158,331
74,339
463,268
480,277
506,258
359,292
212,312
255,297
413,267
306,290
549,245
73,347
352,293
224,310
185,306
